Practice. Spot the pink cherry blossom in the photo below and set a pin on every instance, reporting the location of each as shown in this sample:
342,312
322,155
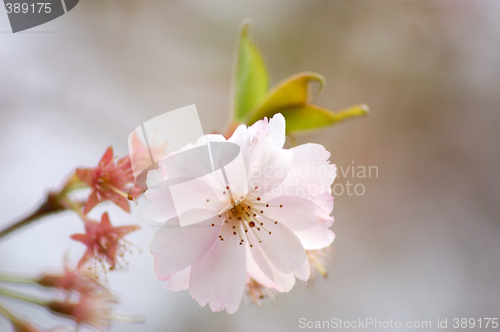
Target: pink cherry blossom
78,280
258,228
104,242
110,181
255,293
319,261
94,310
142,157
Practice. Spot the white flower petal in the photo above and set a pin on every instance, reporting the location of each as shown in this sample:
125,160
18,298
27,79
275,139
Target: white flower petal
265,273
178,281
203,140
283,253
219,277
195,216
162,208
306,219
201,198
240,136
176,248
273,128
236,176
310,175
277,130
270,170
262,136
158,212
155,177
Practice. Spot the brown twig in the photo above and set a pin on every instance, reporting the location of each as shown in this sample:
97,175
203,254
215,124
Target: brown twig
51,205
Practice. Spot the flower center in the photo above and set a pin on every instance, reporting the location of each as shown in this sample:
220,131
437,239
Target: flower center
246,217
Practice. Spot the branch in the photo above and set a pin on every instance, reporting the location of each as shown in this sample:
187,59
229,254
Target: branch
51,205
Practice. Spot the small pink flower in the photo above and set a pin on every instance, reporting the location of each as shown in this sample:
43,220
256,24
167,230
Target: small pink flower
104,242
259,227
256,293
141,156
110,181
319,261
95,310
78,280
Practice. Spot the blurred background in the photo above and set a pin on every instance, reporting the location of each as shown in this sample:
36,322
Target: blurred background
421,243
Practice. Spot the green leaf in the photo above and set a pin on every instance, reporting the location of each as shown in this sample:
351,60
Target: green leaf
291,98
310,116
251,80
293,91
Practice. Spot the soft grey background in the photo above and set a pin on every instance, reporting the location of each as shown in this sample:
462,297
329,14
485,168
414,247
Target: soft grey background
421,244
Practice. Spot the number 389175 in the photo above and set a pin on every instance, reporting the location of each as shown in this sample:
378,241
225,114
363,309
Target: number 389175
35,8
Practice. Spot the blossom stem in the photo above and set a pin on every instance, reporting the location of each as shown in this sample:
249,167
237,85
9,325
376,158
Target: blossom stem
7,314
54,202
74,206
73,183
17,280
231,127
21,297
18,324
51,205
130,319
